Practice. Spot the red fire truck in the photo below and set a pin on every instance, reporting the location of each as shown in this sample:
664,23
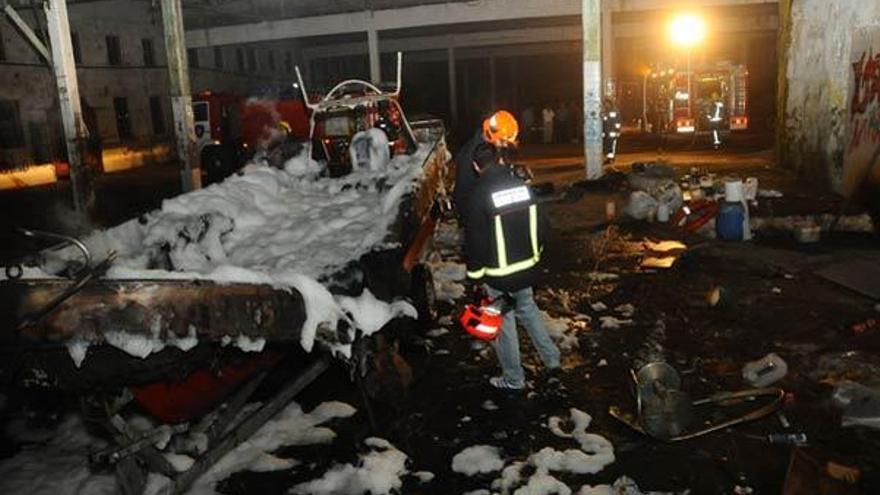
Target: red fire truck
689,113
230,128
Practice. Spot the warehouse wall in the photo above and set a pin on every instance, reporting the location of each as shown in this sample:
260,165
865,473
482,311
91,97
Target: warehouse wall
818,75
27,86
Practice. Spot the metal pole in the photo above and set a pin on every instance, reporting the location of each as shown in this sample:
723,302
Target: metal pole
453,90
645,102
181,99
690,100
592,52
375,60
75,132
607,49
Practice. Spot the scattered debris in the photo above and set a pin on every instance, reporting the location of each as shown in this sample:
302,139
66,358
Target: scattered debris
765,371
717,297
599,306
652,262
769,193
602,277
860,404
863,326
611,322
489,405
776,290
782,438
437,332
847,223
664,246
843,473
625,310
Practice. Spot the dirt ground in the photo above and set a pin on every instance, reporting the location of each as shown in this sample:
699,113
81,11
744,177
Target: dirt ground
775,303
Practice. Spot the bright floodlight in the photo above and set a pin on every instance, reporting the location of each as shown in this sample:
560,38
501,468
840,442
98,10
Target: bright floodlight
687,29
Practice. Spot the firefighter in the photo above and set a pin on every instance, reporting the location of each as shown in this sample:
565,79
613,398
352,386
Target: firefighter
610,129
502,249
484,145
716,112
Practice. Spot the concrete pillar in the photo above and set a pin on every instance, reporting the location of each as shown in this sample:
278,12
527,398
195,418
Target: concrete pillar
493,84
607,49
375,58
453,90
181,97
592,50
783,46
75,132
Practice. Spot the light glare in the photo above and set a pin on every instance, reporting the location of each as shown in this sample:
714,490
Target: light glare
687,29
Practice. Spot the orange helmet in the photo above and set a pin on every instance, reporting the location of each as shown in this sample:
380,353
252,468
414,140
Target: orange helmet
501,129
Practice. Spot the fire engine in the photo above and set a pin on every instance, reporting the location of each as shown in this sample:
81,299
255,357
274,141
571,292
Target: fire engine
230,128
677,111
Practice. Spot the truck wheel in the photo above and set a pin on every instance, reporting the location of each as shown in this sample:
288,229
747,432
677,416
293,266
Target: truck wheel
423,295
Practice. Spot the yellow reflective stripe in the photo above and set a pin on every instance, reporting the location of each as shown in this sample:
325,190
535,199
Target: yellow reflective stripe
533,229
503,269
511,269
500,245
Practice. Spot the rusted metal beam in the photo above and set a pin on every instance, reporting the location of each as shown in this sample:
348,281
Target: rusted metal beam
163,309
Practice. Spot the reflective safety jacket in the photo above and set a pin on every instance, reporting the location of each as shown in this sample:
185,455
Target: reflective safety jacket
503,231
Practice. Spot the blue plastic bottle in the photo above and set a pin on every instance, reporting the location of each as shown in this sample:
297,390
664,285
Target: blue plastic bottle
729,222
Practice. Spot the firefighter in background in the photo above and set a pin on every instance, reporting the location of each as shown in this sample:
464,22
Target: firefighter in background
716,117
610,129
503,234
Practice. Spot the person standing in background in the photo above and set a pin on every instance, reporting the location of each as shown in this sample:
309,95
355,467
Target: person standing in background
528,121
547,117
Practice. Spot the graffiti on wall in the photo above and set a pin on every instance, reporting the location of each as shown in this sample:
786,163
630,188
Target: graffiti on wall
863,108
863,136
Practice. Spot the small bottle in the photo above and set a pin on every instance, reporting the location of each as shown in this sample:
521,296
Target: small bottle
767,370
610,210
788,438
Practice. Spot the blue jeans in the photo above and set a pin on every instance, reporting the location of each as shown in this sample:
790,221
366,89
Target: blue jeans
507,344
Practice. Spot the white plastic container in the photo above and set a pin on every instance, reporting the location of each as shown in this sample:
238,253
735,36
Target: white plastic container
733,191
662,213
769,369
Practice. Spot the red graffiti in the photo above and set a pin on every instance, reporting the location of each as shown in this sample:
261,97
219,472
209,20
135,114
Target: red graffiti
863,131
866,89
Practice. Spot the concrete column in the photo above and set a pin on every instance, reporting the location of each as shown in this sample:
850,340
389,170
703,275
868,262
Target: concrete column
607,48
493,84
453,90
592,50
181,97
75,132
375,59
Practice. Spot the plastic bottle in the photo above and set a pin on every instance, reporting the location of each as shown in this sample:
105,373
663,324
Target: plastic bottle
860,404
729,224
769,369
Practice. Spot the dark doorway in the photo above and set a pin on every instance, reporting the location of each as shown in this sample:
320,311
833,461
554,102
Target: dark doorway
123,120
